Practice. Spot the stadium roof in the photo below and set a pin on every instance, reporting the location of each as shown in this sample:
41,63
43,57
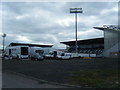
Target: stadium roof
30,45
86,41
108,27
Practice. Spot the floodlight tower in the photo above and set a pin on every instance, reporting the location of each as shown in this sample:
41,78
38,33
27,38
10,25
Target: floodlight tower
4,35
76,10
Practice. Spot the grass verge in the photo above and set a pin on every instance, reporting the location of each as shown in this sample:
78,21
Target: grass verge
107,78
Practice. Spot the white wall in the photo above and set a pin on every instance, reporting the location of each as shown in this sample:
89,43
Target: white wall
112,49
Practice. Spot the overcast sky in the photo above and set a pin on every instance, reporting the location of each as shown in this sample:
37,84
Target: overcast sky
51,22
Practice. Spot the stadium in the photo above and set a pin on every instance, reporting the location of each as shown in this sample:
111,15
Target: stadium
88,46
107,46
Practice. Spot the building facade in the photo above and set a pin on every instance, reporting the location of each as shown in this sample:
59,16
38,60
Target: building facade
111,40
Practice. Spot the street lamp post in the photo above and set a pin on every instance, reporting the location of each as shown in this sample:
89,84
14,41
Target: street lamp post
4,35
76,10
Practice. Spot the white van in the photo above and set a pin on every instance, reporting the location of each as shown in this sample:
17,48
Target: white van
65,56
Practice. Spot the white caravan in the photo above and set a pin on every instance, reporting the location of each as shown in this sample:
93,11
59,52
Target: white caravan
50,52
18,52
23,52
36,53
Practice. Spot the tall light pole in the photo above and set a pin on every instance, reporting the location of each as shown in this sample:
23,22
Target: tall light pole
76,10
4,35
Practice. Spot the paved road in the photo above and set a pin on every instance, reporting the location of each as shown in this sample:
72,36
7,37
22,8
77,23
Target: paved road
11,80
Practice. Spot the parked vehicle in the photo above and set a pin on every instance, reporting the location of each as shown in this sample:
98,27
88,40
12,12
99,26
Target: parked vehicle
50,52
18,52
23,52
53,53
36,53
65,56
49,55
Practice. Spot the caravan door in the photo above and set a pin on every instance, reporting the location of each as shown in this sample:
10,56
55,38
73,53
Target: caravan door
9,51
24,52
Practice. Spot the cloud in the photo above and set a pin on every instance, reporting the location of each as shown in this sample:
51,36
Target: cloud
92,33
65,22
108,11
22,17
23,39
51,22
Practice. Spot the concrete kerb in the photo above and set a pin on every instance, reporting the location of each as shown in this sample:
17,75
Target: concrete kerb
44,81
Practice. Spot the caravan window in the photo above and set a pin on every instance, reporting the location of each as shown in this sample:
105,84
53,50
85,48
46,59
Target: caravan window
39,51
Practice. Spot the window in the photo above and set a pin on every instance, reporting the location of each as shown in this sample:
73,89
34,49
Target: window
39,51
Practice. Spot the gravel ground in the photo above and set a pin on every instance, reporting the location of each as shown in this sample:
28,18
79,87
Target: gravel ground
57,70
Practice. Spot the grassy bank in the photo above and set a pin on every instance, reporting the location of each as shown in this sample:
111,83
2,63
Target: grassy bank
107,78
